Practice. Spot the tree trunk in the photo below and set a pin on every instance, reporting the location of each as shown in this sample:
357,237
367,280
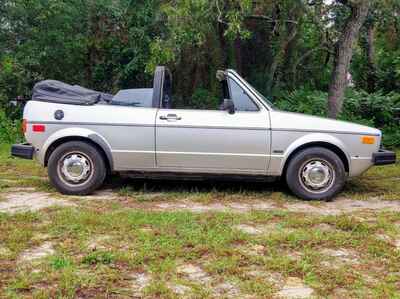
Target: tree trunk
92,51
277,59
343,55
371,78
223,45
238,55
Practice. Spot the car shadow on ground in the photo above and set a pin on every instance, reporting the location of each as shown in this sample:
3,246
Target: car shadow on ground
224,185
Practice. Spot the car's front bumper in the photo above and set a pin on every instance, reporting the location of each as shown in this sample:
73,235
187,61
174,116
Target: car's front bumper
24,151
384,157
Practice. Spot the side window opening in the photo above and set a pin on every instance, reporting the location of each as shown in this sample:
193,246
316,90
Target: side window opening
240,98
167,91
225,90
203,99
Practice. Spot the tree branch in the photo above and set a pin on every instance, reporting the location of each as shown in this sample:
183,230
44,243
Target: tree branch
219,19
269,19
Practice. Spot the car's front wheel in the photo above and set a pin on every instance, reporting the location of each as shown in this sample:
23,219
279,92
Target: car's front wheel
76,168
315,173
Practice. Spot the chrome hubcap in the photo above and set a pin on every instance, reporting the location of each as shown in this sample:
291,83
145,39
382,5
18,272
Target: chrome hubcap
75,168
317,175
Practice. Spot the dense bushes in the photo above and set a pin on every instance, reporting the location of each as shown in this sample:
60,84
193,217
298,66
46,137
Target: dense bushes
10,130
376,109
303,101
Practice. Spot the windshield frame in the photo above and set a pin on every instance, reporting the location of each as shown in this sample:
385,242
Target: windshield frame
254,92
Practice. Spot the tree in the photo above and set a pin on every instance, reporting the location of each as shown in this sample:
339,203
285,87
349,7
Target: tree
277,45
343,53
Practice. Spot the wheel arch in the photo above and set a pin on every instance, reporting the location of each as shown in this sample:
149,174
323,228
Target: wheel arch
324,144
91,139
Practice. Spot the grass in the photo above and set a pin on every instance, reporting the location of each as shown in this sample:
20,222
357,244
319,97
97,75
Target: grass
100,246
158,242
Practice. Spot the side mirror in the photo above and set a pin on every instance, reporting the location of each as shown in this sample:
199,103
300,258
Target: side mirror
229,106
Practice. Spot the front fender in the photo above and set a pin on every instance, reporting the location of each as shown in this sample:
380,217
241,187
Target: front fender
76,132
310,139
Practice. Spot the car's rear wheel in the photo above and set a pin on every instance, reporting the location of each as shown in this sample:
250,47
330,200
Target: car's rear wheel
315,173
76,168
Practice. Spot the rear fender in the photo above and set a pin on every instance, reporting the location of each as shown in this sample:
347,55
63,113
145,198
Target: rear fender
79,133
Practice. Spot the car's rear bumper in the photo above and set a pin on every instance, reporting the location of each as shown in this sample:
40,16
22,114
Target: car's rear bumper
24,151
384,157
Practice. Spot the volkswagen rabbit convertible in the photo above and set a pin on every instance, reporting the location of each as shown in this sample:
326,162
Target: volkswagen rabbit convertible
82,135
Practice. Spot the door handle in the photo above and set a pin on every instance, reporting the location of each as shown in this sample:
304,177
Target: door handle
170,117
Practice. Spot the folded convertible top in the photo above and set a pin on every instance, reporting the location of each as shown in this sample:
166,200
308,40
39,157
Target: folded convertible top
59,92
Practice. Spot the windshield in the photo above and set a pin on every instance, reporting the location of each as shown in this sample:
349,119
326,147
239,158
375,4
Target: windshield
255,91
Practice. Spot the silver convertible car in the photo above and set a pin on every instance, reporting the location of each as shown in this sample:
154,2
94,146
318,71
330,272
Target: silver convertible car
82,135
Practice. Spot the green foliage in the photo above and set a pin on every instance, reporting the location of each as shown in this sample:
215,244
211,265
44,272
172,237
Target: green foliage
235,19
99,257
303,100
180,33
14,79
60,262
374,109
203,99
92,43
160,54
10,130
391,137
389,71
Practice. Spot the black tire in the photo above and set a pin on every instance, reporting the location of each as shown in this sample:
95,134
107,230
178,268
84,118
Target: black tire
89,160
298,177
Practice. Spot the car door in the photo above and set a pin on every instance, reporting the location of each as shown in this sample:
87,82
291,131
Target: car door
213,141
